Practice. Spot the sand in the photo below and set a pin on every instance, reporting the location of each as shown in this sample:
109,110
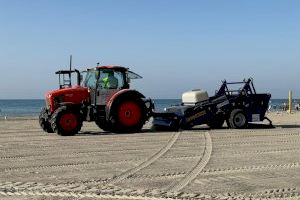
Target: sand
259,163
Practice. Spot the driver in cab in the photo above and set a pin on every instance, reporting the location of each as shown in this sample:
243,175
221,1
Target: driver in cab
110,81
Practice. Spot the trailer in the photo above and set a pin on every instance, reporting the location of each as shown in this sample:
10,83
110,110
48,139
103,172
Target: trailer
237,103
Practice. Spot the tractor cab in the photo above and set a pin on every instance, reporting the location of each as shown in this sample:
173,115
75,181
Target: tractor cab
105,81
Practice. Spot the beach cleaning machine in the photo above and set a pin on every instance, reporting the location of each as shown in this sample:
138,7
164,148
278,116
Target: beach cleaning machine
237,103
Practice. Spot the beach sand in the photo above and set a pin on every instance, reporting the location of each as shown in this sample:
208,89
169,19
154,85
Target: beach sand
260,163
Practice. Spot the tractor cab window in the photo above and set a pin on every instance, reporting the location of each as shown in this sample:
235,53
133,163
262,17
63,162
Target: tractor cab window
91,79
111,79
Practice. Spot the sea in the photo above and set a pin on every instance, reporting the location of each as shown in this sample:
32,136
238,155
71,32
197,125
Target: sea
32,107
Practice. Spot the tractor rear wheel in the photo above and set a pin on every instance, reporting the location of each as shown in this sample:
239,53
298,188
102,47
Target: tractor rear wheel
44,122
66,121
128,115
237,119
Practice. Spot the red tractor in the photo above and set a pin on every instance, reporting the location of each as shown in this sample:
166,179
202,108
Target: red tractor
104,97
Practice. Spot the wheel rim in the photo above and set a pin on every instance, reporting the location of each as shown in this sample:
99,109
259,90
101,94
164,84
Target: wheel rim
129,113
239,120
68,121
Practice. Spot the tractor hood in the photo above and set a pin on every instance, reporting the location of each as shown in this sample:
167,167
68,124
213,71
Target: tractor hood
73,95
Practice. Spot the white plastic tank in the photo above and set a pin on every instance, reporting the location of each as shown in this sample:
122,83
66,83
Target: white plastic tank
194,96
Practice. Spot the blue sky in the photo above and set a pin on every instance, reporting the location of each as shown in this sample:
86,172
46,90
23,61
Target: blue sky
175,45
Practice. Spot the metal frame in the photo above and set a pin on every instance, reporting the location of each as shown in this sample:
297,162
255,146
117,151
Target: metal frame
63,82
247,87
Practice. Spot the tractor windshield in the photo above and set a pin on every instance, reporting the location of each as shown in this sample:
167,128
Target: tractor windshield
91,79
108,79
111,79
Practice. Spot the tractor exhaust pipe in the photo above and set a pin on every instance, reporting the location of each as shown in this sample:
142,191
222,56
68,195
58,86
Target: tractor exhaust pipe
70,68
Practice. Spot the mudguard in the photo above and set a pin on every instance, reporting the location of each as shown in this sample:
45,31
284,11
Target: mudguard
126,93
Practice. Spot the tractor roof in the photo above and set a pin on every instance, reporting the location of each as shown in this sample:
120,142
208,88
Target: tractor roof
112,67
131,74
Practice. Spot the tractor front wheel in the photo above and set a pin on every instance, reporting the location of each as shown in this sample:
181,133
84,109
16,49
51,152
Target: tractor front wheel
66,121
44,121
128,116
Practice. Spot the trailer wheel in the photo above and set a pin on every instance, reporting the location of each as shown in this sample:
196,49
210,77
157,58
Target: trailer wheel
44,122
66,121
237,119
128,115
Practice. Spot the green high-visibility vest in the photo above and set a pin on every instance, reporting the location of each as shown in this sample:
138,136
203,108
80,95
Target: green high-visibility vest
106,82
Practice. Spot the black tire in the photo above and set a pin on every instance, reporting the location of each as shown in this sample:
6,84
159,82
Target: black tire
237,119
128,115
104,125
44,121
217,122
66,121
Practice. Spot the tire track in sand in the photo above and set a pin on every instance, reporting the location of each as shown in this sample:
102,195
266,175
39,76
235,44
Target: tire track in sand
219,171
146,163
116,179
197,169
80,190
